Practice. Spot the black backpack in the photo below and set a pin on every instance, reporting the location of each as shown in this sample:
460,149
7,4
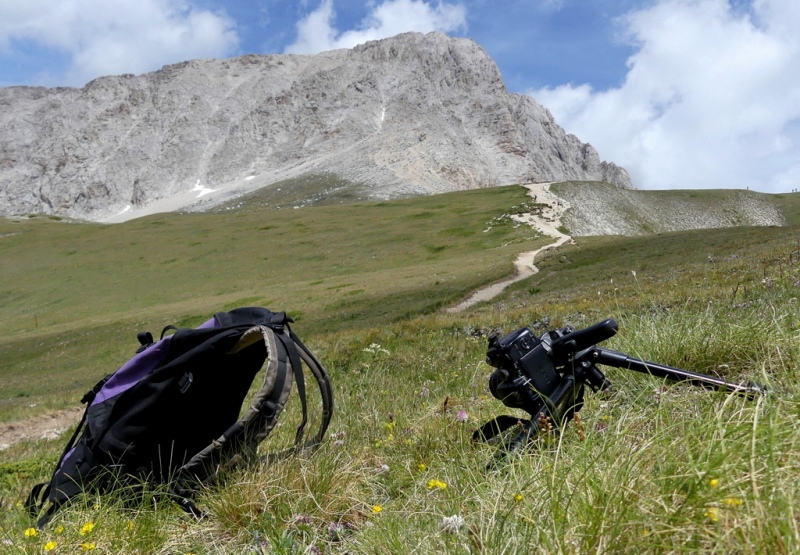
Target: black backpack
170,415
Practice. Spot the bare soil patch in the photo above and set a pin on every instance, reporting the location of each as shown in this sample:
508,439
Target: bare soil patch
44,426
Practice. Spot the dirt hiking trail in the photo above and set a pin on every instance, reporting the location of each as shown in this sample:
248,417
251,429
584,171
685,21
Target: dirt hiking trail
547,222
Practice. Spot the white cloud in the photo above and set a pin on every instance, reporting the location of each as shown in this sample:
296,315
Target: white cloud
125,36
317,32
711,98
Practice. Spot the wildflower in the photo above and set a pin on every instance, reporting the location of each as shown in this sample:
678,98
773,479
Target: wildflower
375,349
335,531
732,502
451,524
50,546
436,484
31,532
376,509
461,416
711,514
59,529
87,528
518,497
422,467
713,482
88,546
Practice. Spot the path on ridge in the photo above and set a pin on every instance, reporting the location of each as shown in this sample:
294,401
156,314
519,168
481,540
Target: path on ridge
546,222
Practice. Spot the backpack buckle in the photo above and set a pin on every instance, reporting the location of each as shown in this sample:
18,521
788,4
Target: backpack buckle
186,382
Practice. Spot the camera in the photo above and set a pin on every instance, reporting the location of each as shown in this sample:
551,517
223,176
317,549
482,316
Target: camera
525,371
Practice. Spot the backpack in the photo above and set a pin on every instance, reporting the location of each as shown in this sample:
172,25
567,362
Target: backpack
170,415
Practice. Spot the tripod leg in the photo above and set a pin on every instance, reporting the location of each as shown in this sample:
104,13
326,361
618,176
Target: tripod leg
530,429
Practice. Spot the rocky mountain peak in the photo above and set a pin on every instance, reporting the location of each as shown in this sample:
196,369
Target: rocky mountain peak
412,114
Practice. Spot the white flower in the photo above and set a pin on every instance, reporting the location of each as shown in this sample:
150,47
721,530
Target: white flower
375,349
451,524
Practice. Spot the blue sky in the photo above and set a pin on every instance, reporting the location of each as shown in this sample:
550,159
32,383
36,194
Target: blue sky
682,93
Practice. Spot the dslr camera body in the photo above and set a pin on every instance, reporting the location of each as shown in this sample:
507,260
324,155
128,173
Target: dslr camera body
525,377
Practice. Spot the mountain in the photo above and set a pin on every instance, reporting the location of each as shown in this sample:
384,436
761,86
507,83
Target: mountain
410,115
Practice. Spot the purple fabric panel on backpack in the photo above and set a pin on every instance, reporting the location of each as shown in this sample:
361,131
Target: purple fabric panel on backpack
134,370
139,366
210,324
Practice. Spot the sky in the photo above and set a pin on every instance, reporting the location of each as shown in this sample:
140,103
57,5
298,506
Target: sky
685,94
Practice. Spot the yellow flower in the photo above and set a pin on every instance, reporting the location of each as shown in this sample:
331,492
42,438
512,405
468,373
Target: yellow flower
86,528
376,509
436,484
711,514
50,546
59,529
518,497
732,502
713,482
422,467
88,546
31,532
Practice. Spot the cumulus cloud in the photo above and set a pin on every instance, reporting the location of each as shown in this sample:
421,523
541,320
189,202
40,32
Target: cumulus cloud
126,36
711,98
317,31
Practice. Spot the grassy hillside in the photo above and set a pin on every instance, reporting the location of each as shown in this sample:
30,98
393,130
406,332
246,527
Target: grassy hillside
651,467
74,288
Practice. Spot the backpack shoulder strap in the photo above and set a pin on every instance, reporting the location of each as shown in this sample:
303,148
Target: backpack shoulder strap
283,363
325,387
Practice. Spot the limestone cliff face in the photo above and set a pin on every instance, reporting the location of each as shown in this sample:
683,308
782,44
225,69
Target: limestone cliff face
409,115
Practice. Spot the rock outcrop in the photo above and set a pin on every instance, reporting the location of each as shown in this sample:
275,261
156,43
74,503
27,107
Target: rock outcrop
409,115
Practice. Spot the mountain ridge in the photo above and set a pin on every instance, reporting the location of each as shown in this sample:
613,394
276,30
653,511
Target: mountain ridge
409,115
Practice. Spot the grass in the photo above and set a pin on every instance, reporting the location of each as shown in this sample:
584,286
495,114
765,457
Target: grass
650,468
79,287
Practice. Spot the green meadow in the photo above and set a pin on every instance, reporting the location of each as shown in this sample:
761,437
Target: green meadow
649,467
